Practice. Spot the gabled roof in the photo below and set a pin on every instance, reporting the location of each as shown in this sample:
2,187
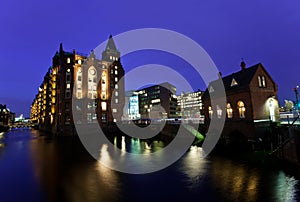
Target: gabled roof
242,77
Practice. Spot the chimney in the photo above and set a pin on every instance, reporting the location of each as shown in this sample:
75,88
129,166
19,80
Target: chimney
60,48
243,64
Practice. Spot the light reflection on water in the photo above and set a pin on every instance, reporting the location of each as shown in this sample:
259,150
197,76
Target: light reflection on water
64,171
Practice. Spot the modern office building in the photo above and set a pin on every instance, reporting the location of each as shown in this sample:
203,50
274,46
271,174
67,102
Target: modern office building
91,88
131,109
190,106
158,101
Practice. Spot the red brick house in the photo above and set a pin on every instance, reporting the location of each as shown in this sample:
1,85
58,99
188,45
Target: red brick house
251,104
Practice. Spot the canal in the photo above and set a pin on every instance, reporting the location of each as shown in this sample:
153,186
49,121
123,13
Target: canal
36,168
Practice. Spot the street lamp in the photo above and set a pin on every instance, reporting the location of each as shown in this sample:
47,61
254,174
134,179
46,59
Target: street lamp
296,93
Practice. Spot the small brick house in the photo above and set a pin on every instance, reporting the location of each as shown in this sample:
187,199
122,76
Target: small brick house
251,105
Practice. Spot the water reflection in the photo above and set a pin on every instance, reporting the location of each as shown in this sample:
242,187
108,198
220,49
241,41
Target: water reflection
194,166
64,171
68,173
235,180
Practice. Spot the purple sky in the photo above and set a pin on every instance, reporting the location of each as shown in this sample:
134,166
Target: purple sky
258,31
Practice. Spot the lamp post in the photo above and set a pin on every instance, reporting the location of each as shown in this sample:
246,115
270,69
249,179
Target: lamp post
296,93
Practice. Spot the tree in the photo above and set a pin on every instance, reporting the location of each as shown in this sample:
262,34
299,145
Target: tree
289,105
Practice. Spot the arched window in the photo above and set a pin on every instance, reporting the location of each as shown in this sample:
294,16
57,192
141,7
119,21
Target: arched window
79,84
241,108
210,112
229,110
92,83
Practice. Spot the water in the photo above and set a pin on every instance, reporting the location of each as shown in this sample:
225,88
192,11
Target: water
36,168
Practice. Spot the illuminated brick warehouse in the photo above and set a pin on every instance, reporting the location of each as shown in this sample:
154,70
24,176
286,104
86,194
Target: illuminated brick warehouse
94,85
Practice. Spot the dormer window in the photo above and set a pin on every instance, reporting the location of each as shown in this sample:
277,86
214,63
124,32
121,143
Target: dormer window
233,82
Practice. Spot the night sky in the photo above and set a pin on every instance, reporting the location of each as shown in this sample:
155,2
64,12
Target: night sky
258,31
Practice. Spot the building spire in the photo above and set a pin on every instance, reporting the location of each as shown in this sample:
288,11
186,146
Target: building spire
111,44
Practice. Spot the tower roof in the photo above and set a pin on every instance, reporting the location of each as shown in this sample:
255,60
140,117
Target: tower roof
111,44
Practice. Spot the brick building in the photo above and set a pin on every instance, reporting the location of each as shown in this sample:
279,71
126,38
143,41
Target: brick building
75,83
251,106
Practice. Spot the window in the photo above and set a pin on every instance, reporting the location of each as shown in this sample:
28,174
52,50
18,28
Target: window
116,86
116,101
103,106
116,67
68,94
116,93
219,112
89,117
210,112
259,81
114,110
67,107
68,60
91,105
229,110
68,85
68,77
116,72
116,79
79,62
78,106
103,118
241,108
263,81
233,82
92,83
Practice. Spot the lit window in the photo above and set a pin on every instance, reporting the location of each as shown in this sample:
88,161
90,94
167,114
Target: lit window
210,112
242,109
68,85
229,110
116,79
263,81
259,81
116,100
116,67
68,60
116,72
233,82
115,120
116,86
103,106
114,110
113,58
79,62
89,117
110,57
116,93
68,70
219,112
